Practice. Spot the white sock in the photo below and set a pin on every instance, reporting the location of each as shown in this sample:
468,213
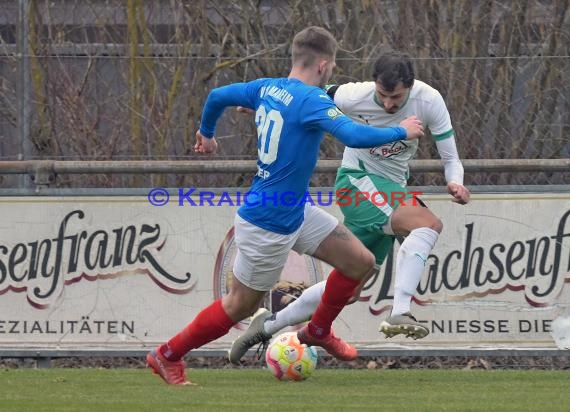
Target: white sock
297,311
410,264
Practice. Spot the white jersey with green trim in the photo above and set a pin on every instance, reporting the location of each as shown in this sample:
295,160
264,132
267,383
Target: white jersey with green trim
358,101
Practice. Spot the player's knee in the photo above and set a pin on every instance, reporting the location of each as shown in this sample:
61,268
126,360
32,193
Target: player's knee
437,225
431,221
357,268
366,265
237,306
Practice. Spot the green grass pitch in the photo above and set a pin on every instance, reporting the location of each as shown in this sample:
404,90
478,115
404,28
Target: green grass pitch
107,390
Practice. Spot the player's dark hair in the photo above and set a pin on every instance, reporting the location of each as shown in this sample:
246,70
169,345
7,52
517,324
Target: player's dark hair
392,68
311,43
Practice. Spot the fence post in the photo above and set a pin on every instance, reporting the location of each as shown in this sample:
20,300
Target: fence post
24,112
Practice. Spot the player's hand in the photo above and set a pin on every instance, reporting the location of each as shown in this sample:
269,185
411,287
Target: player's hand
414,127
459,192
205,145
245,110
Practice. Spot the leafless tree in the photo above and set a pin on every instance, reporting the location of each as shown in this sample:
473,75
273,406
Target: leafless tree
114,79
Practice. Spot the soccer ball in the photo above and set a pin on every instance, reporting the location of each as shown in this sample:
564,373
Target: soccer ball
290,360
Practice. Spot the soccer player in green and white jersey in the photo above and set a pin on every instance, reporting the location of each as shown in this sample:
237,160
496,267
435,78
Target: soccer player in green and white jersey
393,95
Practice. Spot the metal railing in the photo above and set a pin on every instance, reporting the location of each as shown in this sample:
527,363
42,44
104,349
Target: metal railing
44,172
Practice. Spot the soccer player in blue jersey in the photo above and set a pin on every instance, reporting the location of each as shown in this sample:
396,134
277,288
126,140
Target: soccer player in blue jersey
393,94
291,115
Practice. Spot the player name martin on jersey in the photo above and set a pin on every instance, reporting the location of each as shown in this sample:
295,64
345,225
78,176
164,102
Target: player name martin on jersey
277,93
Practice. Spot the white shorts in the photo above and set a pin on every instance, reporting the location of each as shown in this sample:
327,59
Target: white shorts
261,254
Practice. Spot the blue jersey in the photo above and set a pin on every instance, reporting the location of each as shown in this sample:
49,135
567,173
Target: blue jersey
291,118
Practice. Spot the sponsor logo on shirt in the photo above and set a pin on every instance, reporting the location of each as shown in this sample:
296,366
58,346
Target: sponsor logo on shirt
334,113
389,150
